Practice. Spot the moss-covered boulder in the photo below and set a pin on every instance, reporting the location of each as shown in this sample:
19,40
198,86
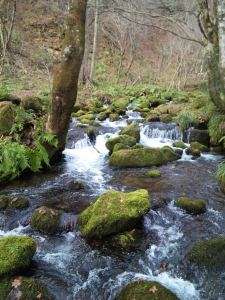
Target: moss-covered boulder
165,118
110,110
152,118
47,220
16,253
178,151
120,111
102,116
123,139
7,115
179,144
138,146
88,117
191,206
13,202
121,103
153,174
119,147
114,117
113,212
144,157
24,287
34,103
199,146
193,152
132,130
146,290
128,239
162,109
208,253
89,122
77,107
201,136
79,113
137,109
144,105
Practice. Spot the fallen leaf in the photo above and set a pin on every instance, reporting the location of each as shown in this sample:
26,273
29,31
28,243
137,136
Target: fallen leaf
121,197
105,215
52,212
153,289
39,296
16,283
124,208
210,255
164,266
121,201
18,295
42,211
139,280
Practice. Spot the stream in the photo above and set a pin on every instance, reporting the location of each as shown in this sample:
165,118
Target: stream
75,268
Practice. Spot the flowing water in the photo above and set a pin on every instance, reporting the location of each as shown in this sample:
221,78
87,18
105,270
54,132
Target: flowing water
75,268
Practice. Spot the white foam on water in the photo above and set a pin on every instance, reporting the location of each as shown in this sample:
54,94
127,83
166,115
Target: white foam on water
15,232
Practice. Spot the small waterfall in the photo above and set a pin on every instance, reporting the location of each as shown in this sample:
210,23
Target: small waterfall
83,143
155,133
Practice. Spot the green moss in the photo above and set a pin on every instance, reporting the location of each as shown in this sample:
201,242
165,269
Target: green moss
47,220
124,139
87,117
152,118
31,288
140,290
81,126
144,157
114,117
120,111
132,130
137,109
89,122
102,116
113,212
16,253
79,113
128,239
13,202
31,102
145,105
110,110
191,206
208,253
121,103
7,115
165,118
137,146
192,151
5,287
119,147
179,144
199,146
153,174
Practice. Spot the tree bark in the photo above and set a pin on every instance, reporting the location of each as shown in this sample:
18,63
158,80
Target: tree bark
221,37
84,66
95,42
65,80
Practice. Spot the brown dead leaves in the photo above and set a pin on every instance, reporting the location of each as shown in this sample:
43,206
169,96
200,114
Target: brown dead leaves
17,282
42,211
121,198
153,289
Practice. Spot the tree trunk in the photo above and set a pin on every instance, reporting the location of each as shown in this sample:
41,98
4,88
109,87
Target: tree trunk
95,41
66,77
84,66
221,38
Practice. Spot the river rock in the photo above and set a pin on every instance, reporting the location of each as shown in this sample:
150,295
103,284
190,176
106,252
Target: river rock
124,139
191,206
128,239
179,144
121,103
208,253
193,152
78,114
110,110
7,115
152,118
74,185
132,130
153,174
47,220
114,117
73,136
144,157
201,136
199,146
34,103
142,290
13,202
165,118
86,117
159,202
16,253
120,146
113,212
102,116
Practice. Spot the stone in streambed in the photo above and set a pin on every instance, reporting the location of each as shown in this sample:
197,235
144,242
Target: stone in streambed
132,130
16,253
193,152
153,174
128,239
141,290
208,253
16,202
179,144
124,139
191,206
113,212
199,146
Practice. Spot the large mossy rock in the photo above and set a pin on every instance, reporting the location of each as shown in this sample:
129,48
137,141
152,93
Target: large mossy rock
179,144
87,117
144,157
13,202
123,139
208,253
16,253
47,220
34,103
200,136
119,147
193,152
7,115
165,118
152,118
199,146
191,206
121,103
102,116
113,212
141,290
114,117
132,130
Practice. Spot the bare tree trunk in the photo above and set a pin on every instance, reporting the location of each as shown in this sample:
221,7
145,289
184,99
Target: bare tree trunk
119,68
84,66
66,77
221,37
95,42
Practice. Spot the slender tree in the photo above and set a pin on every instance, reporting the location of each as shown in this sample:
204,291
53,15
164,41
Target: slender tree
65,80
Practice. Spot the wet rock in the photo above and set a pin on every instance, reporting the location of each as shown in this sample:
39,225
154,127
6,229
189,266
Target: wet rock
121,103
159,202
114,117
132,130
77,107
47,220
16,254
92,133
86,117
120,146
208,253
121,111
191,206
192,151
124,139
89,122
29,289
179,144
199,146
78,114
141,290
113,212
153,174
110,110
128,239
74,136
102,116
144,157
178,151
201,136
152,118
15,201
165,118
137,146
7,115
74,185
